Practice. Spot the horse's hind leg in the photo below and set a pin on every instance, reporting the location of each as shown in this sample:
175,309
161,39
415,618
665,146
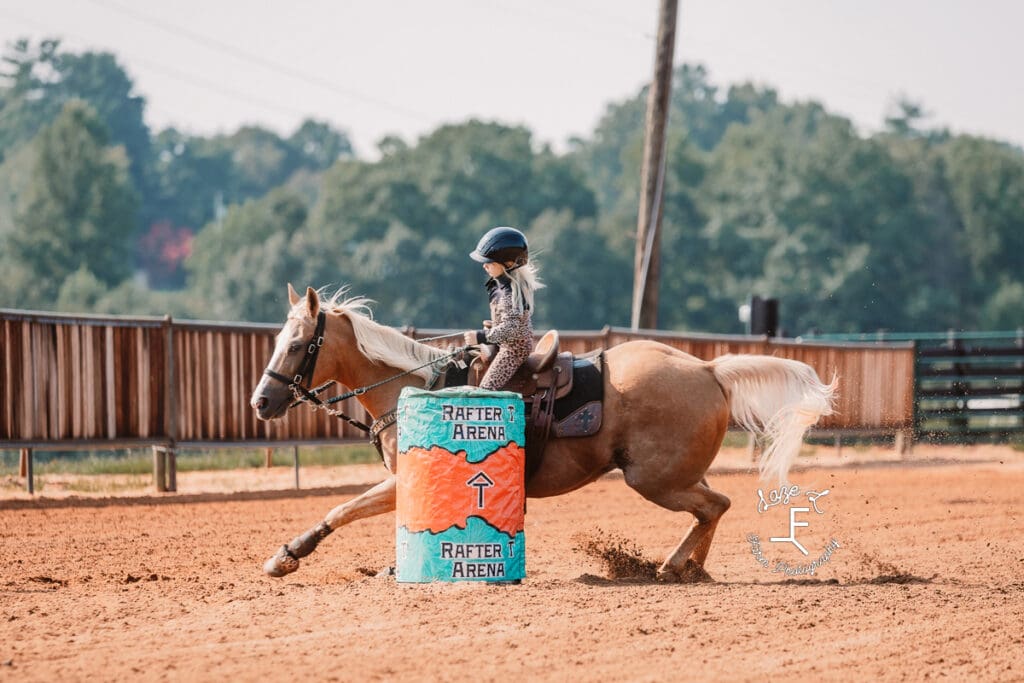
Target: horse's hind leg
376,501
703,546
708,507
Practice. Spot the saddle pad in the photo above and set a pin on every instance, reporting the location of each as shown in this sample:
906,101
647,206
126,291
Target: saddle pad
585,421
587,385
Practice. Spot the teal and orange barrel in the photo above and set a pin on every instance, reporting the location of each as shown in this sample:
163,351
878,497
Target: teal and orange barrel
461,493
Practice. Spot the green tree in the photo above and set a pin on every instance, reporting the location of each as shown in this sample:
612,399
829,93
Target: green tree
801,208
80,292
400,229
191,178
238,268
588,284
40,80
195,176
986,182
24,107
15,177
687,299
1004,308
697,113
80,209
943,294
319,146
905,117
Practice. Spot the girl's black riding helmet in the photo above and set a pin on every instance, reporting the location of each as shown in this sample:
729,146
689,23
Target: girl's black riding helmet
500,245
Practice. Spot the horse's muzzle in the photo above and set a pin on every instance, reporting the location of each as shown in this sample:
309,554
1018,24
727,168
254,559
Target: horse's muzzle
268,408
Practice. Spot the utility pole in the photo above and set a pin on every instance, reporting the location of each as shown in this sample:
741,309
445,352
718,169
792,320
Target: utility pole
646,264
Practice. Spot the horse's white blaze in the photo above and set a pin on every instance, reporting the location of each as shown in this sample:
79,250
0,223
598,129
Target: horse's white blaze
281,343
776,398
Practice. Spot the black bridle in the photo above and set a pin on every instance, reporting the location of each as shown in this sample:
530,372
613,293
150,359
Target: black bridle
304,374
299,384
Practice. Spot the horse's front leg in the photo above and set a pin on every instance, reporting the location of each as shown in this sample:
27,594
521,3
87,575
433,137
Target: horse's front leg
376,501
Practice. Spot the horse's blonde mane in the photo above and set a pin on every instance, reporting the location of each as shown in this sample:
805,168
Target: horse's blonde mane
380,343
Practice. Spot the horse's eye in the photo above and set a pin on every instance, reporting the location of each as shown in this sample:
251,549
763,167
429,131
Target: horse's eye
294,347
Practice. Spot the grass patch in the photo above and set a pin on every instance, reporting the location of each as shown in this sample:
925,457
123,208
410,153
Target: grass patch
13,483
739,439
736,439
106,485
140,461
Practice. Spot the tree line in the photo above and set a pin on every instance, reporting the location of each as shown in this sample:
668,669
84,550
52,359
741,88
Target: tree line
910,228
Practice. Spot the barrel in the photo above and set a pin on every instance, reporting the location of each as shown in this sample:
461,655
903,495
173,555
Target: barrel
461,494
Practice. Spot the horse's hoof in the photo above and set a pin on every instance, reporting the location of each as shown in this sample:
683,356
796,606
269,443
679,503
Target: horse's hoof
281,564
306,543
691,572
667,576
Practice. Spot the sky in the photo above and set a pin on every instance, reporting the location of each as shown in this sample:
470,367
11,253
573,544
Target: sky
404,67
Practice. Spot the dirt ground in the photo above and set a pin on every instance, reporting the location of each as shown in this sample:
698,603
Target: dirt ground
925,580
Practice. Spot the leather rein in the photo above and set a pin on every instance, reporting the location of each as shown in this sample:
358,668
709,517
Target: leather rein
304,376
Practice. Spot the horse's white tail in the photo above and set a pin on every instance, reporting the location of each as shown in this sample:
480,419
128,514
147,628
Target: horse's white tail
776,398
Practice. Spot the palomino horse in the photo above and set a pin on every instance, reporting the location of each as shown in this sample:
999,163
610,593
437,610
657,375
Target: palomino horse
665,416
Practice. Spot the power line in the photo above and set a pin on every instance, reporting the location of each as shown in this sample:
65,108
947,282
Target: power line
214,87
219,88
234,51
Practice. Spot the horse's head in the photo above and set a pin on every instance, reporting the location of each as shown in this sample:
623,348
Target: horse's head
294,359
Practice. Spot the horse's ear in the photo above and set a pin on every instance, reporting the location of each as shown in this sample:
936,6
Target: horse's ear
312,302
293,296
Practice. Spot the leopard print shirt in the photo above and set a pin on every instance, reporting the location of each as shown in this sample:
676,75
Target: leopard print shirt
511,330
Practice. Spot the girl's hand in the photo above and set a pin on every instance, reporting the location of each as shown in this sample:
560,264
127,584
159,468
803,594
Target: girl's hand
470,338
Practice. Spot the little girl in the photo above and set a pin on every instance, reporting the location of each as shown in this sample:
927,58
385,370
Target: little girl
505,256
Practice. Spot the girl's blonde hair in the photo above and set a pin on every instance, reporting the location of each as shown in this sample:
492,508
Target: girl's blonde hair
525,281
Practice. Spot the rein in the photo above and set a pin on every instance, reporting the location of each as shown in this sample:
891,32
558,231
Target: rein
302,394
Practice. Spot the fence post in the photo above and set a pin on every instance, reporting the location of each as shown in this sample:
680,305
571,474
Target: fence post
961,387
159,469
26,464
904,442
268,457
296,466
172,468
170,408
23,463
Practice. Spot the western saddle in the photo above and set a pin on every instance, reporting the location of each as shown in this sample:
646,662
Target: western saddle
545,376
546,373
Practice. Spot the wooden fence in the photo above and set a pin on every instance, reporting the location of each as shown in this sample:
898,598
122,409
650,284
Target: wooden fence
109,382
76,381
876,382
969,386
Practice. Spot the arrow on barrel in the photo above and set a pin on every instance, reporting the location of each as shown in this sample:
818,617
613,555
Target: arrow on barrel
480,481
